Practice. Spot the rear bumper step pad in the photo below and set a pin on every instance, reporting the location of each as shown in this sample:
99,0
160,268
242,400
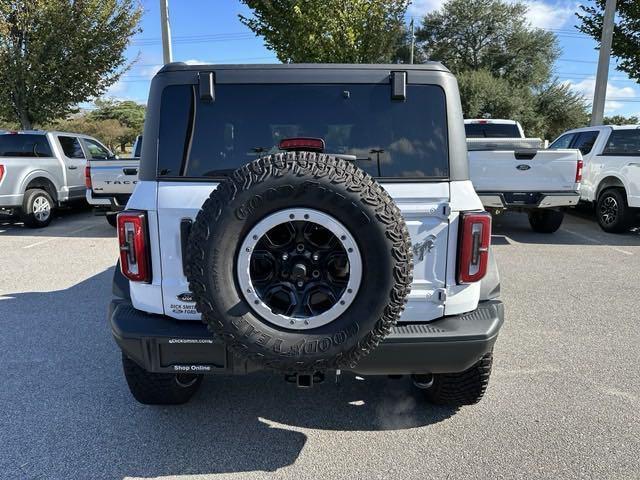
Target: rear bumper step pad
450,344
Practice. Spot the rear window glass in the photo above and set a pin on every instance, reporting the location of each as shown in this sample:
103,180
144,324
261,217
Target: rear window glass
623,142
24,145
358,122
491,130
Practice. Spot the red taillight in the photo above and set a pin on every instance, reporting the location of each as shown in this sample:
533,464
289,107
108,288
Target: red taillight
475,239
302,143
134,246
87,177
1,171
579,171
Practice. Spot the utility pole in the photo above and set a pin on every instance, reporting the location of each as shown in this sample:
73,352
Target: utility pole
167,56
413,42
602,77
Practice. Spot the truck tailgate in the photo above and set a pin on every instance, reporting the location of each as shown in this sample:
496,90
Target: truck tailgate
114,176
524,171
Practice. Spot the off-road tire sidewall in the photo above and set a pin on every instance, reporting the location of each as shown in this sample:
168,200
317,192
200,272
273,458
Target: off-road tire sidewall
303,180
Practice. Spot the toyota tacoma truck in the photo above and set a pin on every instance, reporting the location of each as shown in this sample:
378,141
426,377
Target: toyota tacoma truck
611,177
305,220
40,171
110,180
519,174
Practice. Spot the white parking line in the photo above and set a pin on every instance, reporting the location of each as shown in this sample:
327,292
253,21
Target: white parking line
50,239
586,237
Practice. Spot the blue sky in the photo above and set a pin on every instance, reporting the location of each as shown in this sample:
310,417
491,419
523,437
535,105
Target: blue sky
209,31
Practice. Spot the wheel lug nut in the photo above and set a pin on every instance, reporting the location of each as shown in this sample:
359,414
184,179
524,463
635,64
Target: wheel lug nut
315,274
300,283
285,257
316,257
300,247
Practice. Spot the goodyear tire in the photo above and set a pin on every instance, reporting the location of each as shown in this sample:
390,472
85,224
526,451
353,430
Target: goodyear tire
300,262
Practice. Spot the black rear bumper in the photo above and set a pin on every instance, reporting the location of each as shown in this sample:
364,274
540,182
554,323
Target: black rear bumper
450,344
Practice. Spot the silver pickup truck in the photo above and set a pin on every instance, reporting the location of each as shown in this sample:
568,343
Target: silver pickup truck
40,171
111,180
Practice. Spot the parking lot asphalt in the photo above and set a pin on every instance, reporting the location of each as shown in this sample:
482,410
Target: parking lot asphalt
563,400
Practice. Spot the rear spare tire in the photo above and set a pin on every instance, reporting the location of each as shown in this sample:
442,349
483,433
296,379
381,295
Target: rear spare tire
300,262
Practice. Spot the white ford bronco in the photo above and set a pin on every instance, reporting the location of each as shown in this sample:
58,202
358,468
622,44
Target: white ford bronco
305,219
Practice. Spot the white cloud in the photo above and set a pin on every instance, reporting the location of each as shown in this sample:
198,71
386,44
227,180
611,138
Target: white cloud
541,14
587,87
419,8
547,15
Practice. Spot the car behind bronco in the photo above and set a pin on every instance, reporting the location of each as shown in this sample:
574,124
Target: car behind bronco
305,219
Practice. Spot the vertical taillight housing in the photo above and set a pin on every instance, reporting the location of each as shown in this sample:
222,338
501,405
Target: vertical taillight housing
87,177
473,253
579,171
1,171
133,238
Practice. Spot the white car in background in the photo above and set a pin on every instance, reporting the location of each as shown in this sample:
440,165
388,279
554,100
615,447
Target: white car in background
512,172
611,173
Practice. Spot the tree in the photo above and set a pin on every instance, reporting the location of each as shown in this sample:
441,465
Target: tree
55,54
621,120
558,109
329,31
128,113
626,35
503,65
109,131
484,94
490,35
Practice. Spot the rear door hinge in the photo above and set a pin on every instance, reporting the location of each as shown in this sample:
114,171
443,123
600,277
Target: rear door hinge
206,82
439,296
445,208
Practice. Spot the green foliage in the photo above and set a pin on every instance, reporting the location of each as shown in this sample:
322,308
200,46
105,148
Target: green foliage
109,131
621,120
129,114
503,65
558,109
490,35
482,93
626,35
55,54
329,31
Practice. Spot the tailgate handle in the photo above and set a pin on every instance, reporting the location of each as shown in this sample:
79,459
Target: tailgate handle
130,171
525,154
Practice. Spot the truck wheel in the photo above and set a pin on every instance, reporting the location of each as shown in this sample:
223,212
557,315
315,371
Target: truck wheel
112,219
159,388
300,262
458,389
614,215
543,220
37,208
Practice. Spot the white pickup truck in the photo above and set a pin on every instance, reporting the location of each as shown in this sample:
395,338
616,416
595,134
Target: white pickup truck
517,173
110,180
611,177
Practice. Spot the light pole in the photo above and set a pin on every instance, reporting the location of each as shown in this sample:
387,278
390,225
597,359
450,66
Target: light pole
602,77
167,56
